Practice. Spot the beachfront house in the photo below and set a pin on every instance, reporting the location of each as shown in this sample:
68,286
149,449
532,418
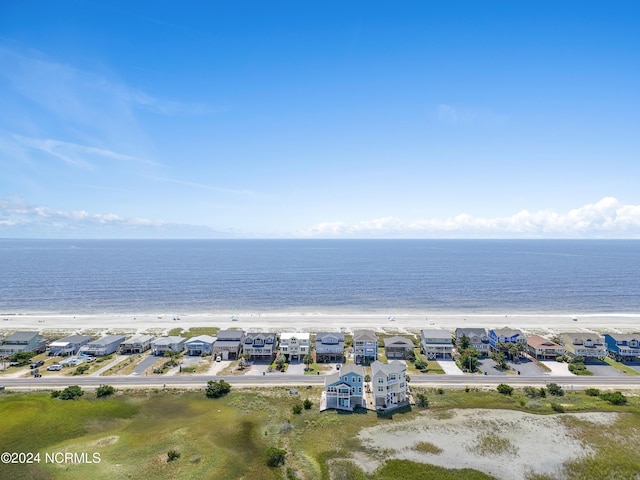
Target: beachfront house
68,345
436,343
294,345
200,345
329,347
344,390
365,346
389,383
260,345
22,341
164,344
505,335
543,348
585,345
478,338
623,347
398,348
136,344
228,344
102,346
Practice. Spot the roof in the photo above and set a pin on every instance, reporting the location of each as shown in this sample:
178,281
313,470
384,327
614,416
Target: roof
507,332
74,339
257,335
108,339
230,335
167,340
387,368
298,335
621,337
435,333
538,342
345,370
364,335
338,335
22,336
202,339
583,336
398,341
470,332
139,339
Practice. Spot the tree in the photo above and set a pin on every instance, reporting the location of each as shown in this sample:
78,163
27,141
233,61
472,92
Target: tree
275,456
21,358
297,409
420,364
105,391
307,404
555,390
217,389
514,351
469,359
242,363
281,360
464,343
500,359
71,393
308,360
505,389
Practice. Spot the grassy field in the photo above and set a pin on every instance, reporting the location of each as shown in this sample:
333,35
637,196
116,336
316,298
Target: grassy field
227,438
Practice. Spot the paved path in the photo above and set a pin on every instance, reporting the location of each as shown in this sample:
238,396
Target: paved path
100,371
449,366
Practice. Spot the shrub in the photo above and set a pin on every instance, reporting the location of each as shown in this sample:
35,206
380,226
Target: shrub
105,391
504,389
217,389
422,400
71,393
556,407
560,359
81,369
592,392
555,390
55,394
307,404
440,391
615,398
275,456
172,455
297,409
420,364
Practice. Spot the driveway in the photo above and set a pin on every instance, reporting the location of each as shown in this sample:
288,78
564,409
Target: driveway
295,368
488,367
601,369
526,368
449,366
144,364
558,369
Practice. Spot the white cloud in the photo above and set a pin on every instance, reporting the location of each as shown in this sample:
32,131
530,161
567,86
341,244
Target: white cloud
607,218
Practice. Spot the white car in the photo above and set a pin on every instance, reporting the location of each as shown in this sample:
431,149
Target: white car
55,367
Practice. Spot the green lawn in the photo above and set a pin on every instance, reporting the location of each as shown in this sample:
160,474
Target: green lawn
627,370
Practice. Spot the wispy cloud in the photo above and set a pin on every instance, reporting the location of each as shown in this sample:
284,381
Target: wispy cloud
73,153
607,218
204,186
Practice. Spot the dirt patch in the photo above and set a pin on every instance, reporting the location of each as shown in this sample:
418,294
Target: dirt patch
103,442
503,443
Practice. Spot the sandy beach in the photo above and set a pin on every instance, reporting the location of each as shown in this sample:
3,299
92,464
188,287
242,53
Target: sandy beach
315,322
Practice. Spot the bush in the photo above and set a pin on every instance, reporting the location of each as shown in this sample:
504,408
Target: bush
560,359
217,389
307,404
592,392
81,369
105,391
420,364
172,455
440,391
275,456
555,390
422,400
556,407
504,389
71,393
297,409
55,394
615,398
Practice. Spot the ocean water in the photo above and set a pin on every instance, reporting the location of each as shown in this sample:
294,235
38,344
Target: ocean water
329,276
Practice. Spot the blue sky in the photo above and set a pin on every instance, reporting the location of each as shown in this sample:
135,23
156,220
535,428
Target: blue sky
492,119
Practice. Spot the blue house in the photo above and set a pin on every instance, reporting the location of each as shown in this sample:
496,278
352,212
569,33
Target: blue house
344,390
506,335
623,347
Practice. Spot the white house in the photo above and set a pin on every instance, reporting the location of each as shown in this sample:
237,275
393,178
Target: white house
389,383
436,343
261,346
136,344
163,344
294,345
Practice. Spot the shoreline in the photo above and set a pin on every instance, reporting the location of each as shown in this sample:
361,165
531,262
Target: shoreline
315,322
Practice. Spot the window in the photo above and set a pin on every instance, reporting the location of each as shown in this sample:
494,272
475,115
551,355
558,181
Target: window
359,389
381,389
380,380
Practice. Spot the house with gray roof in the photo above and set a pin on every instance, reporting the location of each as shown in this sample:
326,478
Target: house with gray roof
136,344
365,346
329,347
398,347
436,343
200,345
228,344
102,346
583,344
68,345
260,345
478,338
163,344
21,341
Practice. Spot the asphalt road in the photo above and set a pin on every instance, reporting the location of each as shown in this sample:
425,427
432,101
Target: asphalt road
191,381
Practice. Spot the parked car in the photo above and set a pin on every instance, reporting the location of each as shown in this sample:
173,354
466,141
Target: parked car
37,364
36,373
55,367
